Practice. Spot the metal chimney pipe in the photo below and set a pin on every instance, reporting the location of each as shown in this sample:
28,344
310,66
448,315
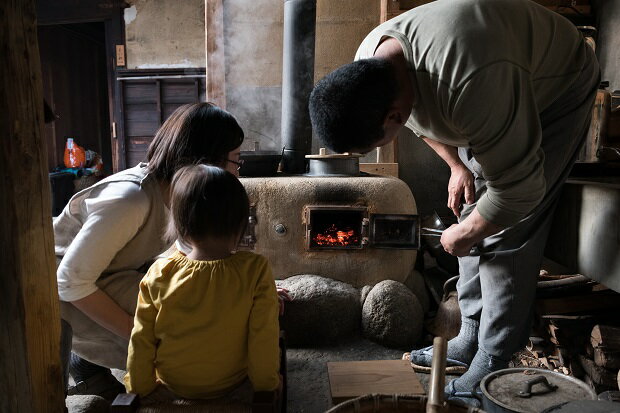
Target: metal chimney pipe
297,82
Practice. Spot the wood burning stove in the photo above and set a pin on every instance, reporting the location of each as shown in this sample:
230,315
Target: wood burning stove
356,229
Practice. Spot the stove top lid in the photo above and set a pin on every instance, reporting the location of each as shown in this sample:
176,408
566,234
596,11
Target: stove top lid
324,155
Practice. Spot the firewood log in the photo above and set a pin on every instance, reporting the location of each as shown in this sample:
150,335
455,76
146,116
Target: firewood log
606,358
606,336
599,375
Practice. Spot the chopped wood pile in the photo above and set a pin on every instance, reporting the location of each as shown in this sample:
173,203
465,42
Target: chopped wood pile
576,331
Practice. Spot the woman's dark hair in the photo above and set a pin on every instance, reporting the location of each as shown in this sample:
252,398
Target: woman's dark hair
199,132
349,105
207,201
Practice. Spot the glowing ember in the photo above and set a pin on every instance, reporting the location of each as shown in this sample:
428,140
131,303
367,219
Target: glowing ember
336,237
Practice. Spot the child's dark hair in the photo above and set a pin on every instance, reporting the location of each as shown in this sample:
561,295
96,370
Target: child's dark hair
198,132
207,201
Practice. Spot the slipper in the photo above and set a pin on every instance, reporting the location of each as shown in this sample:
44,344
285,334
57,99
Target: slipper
453,367
467,398
101,384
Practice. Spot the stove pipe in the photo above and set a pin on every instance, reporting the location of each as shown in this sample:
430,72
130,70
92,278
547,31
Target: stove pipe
297,83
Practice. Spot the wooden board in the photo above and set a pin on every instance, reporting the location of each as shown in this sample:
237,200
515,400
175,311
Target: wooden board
382,168
350,379
215,52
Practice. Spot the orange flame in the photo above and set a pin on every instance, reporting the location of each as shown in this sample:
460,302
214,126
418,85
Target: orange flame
336,237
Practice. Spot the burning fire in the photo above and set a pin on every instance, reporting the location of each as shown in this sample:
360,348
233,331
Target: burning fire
335,237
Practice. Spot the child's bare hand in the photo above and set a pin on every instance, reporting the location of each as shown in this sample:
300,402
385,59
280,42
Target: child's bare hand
283,296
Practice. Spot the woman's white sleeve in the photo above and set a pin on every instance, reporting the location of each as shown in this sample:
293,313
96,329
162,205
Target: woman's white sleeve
114,215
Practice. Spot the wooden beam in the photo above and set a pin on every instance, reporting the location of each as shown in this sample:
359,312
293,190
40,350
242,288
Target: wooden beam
389,9
215,52
30,370
389,152
380,168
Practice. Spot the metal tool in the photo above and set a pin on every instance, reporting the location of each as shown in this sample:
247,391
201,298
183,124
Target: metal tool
431,232
434,232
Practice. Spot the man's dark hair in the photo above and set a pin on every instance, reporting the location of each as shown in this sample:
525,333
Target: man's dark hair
199,132
349,105
207,201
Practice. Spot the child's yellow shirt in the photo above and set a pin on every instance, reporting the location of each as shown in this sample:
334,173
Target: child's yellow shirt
202,327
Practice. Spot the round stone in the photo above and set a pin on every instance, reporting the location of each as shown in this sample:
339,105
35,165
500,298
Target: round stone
392,315
323,310
87,404
364,293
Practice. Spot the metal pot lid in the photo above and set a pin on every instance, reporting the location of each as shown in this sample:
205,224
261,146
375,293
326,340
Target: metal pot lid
585,406
532,390
337,164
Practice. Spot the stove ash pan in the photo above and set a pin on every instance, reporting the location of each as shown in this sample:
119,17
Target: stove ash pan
359,230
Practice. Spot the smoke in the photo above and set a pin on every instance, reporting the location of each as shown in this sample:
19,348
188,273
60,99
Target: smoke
253,32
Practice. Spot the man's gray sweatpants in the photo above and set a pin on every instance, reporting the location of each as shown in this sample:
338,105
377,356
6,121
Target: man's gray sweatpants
498,287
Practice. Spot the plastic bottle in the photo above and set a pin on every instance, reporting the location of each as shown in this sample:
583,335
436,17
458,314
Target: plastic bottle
75,157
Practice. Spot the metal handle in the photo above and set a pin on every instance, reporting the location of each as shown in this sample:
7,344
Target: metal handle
526,390
449,284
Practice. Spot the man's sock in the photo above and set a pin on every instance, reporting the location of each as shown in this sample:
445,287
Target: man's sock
482,364
462,347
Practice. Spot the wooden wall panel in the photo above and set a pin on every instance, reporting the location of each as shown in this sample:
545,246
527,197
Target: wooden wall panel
74,79
149,98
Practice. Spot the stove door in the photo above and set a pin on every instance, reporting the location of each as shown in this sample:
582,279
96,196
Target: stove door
397,231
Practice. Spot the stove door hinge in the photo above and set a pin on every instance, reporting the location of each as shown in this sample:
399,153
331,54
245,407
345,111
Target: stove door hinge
248,241
365,232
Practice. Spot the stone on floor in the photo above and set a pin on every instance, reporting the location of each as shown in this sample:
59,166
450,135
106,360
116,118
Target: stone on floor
392,315
87,404
323,310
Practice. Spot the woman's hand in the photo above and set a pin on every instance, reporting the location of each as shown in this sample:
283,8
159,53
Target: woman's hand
99,307
461,183
283,296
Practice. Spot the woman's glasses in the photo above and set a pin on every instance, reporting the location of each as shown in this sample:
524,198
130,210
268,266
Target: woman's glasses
239,163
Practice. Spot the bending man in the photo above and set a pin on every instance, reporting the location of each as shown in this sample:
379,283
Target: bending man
502,90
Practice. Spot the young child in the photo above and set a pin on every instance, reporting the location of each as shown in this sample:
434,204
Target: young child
207,321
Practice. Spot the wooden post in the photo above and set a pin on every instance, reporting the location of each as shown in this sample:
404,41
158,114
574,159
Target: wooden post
30,370
389,152
215,52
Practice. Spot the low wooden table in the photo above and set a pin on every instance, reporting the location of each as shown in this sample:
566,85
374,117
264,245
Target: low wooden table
350,379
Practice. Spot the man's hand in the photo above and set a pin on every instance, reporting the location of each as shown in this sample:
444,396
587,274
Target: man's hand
461,183
454,243
460,238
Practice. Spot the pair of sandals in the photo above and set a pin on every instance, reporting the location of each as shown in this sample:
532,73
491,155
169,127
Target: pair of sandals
421,360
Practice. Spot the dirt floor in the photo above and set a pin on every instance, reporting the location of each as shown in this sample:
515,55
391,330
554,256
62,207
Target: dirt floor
307,379
308,384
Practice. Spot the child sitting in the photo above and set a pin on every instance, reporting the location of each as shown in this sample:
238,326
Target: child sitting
208,321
